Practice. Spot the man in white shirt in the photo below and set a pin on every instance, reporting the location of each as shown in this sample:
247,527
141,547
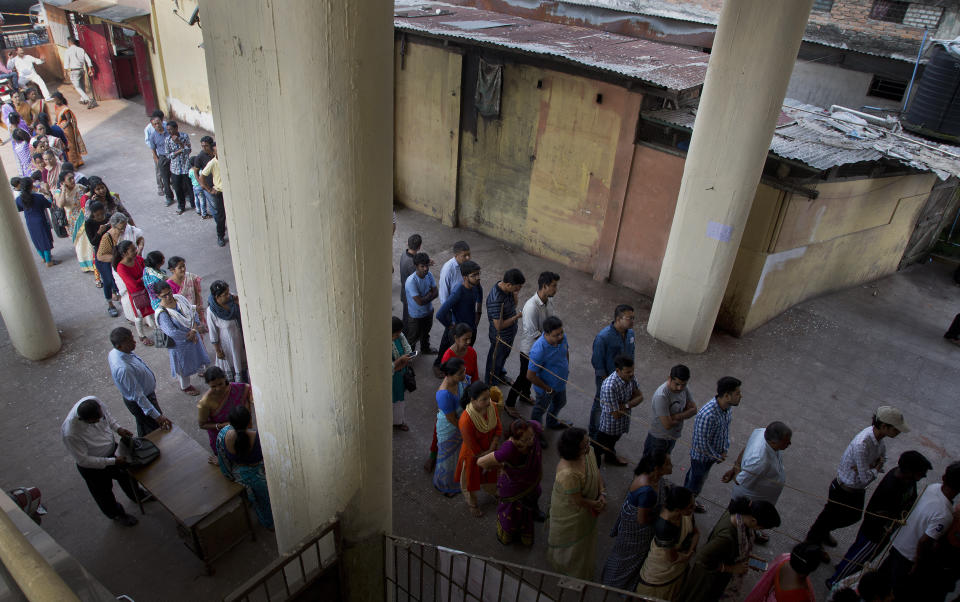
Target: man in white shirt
26,72
537,309
88,434
911,562
860,465
758,472
77,63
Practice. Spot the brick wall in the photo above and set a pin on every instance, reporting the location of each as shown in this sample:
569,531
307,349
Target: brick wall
854,15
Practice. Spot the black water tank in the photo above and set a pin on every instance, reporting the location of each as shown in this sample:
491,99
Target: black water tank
935,106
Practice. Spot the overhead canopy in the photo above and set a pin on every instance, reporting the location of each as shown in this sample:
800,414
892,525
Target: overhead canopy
117,12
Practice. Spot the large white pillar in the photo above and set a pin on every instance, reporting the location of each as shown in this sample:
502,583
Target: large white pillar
302,101
750,65
23,302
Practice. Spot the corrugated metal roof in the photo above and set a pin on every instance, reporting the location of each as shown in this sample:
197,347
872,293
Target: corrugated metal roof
662,65
110,10
812,136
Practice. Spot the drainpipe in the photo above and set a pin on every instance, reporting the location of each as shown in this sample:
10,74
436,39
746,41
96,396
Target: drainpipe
916,66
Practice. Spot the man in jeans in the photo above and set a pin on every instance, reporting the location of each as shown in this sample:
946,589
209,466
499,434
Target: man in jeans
711,435
548,371
178,152
421,290
672,404
504,317
155,137
537,309
615,339
464,304
197,163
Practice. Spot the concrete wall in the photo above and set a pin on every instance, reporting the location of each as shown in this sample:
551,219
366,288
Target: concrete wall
426,129
824,85
179,66
540,175
647,216
795,248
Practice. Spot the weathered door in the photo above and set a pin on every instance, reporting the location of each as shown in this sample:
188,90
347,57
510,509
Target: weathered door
144,79
95,40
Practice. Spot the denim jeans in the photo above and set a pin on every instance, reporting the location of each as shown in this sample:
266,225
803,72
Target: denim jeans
201,199
655,444
210,203
595,410
496,358
699,469
551,404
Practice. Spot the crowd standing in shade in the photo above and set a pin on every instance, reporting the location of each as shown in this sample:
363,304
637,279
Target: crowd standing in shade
659,550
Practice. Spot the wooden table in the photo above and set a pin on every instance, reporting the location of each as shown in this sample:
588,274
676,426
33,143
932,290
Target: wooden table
206,505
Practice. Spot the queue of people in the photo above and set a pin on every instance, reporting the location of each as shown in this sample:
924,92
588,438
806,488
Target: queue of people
659,550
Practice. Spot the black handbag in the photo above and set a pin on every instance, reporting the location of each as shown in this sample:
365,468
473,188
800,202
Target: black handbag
139,451
409,379
59,221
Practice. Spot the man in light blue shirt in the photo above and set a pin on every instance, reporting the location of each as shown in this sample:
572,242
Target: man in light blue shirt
421,290
136,383
155,137
548,370
450,275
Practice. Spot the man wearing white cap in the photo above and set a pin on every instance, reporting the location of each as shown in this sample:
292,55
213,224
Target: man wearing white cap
860,465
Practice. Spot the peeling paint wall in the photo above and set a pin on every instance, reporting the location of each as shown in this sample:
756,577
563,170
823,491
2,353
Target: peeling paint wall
426,129
795,248
186,93
539,176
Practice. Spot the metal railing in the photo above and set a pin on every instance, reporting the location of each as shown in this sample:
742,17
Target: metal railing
293,574
417,571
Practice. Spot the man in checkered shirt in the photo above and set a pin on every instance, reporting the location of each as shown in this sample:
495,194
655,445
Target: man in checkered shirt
619,393
860,465
711,435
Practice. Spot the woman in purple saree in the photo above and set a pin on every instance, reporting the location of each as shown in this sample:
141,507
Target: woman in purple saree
520,460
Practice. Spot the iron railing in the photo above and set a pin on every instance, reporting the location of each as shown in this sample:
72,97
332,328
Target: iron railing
293,574
416,571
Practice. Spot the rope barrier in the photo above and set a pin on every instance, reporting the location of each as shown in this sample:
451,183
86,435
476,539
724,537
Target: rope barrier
689,445
722,506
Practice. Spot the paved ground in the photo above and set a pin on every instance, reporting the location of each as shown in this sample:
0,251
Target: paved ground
821,367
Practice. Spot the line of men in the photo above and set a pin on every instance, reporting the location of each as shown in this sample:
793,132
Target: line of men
758,471
195,179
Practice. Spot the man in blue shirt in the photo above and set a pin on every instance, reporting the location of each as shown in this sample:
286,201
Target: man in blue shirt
465,304
421,290
548,370
450,275
155,136
136,383
711,435
615,339
504,317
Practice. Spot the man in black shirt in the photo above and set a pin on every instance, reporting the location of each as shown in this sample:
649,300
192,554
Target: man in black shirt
889,504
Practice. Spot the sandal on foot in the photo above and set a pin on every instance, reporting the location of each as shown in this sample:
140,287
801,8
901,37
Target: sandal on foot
191,391
476,511
146,341
112,311
401,427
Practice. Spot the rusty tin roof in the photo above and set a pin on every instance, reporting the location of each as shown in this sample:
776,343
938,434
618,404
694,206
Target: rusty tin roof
653,63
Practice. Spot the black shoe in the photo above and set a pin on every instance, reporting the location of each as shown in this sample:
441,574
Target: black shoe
543,442
127,520
429,351
221,242
540,516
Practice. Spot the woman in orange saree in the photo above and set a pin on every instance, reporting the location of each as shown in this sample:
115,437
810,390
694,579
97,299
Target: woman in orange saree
68,123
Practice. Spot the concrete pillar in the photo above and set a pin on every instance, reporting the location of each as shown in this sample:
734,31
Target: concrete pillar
23,302
753,55
302,102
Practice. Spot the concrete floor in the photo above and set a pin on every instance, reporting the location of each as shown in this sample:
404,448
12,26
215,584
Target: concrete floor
822,367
